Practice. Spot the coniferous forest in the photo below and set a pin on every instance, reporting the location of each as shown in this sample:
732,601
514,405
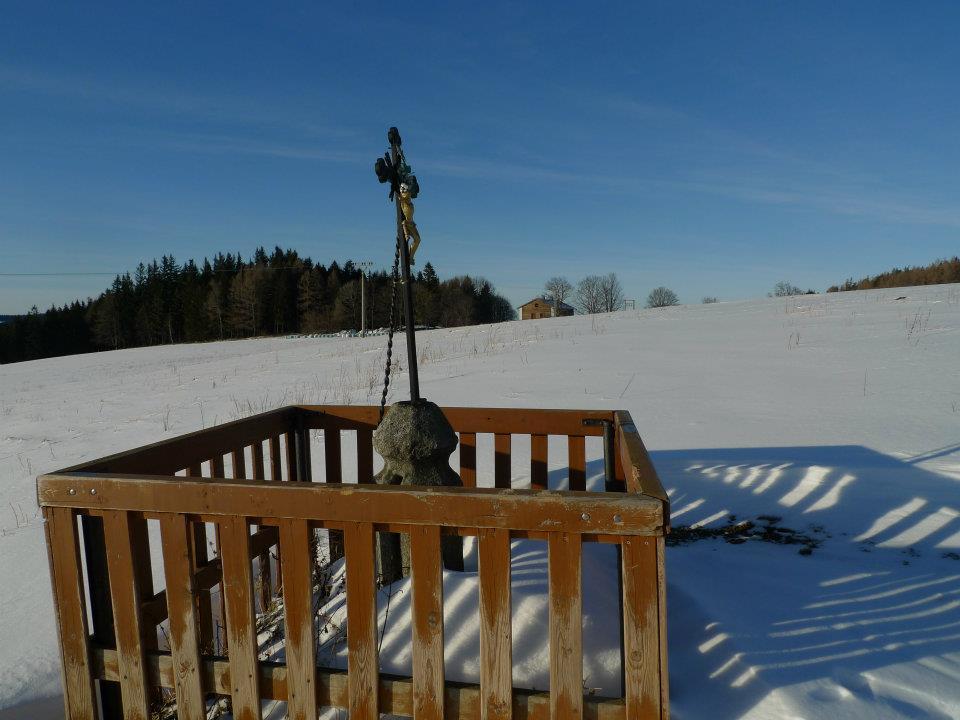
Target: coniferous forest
227,297
936,273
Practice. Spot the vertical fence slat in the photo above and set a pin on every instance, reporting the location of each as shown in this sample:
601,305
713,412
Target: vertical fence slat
199,558
662,630
362,671
258,473
264,580
538,462
365,456
216,466
496,654
641,641
298,613
577,461
331,455
238,459
334,474
65,574
290,441
241,633
275,469
307,461
566,641
468,459
101,608
501,460
125,593
176,533
427,579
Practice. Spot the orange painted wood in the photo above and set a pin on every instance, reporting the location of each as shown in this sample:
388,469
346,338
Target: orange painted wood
362,669
295,536
396,694
468,459
290,444
125,596
635,463
662,629
304,434
241,633
427,613
201,559
566,641
264,582
70,608
238,459
221,641
577,462
641,617
477,420
155,608
520,510
258,470
501,460
496,657
538,462
331,455
276,472
365,456
168,456
176,532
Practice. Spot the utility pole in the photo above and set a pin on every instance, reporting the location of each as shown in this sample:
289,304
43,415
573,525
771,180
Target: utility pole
364,266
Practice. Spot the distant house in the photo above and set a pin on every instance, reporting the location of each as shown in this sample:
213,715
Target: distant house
542,307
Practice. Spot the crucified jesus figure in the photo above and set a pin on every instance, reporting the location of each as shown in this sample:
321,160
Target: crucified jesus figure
409,226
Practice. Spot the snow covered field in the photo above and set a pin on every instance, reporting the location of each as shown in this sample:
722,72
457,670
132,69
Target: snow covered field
838,414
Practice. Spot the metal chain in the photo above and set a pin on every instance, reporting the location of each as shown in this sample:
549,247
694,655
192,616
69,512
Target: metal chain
393,310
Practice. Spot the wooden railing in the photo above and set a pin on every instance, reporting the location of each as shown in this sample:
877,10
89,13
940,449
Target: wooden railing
114,668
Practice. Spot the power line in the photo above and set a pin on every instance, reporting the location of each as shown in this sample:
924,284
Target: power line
58,274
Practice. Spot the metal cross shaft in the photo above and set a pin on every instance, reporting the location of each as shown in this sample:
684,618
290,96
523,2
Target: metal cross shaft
407,286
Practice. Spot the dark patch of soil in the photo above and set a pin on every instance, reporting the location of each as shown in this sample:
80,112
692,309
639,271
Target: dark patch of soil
765,529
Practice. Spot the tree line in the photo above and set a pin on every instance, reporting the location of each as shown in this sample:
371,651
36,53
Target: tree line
227,297
936,273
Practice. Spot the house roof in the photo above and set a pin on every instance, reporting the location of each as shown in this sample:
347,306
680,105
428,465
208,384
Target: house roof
548,302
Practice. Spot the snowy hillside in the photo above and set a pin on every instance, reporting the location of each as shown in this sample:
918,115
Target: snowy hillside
835,416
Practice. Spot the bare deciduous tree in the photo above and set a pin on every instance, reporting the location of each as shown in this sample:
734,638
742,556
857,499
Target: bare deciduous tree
785,289
662,297
558,288
590,294
611,293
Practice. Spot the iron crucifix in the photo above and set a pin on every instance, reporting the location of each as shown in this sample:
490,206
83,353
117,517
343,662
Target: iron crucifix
393,168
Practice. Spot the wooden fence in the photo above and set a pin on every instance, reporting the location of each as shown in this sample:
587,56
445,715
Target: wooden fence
108,611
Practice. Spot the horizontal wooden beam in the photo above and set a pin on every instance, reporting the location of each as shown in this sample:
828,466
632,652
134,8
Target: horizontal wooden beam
462,700
169,456
531,510
641,475
516,421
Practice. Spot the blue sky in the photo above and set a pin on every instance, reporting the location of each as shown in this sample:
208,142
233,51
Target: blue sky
711,147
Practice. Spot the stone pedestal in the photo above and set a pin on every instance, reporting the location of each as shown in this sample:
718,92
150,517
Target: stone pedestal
415,441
